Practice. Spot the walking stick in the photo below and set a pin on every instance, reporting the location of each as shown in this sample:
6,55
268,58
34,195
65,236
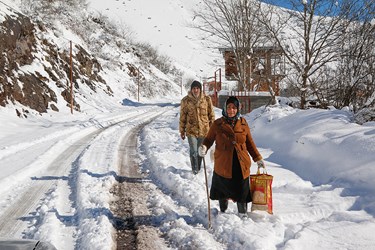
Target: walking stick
208,197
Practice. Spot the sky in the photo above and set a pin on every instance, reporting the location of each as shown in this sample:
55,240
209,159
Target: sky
321,10
284,4
322,164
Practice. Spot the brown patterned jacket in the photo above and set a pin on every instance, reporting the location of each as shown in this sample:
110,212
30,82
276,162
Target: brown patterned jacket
196,115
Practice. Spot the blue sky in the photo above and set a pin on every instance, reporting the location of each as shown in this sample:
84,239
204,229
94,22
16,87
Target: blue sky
322,3
285,4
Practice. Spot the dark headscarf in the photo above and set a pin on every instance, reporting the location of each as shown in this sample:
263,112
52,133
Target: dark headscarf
236,102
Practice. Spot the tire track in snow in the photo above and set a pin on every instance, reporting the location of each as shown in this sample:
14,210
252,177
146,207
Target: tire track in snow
13,220
25,206
181,217
134,228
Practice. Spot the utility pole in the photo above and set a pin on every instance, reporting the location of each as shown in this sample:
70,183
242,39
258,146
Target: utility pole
138,80
71,79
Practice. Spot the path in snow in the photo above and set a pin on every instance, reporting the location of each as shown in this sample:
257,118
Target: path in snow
134,227
13,219
48,198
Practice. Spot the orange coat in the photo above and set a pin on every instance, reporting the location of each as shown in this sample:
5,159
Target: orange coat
227,139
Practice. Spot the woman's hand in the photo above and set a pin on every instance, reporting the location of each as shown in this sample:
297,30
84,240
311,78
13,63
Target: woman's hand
202,150
261,164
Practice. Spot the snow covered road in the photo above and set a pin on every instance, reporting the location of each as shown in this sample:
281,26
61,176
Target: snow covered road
43,181
67,177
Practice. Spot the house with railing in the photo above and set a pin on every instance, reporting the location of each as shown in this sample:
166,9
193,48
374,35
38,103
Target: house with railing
264,69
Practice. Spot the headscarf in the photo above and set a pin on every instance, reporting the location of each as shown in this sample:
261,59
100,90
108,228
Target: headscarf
236,102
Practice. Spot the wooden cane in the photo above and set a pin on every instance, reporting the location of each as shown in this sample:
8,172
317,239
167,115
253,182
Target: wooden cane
208,196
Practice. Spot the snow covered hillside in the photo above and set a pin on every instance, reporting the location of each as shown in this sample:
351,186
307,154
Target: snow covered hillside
40,59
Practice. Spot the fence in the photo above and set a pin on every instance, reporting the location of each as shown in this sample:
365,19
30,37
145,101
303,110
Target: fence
248,100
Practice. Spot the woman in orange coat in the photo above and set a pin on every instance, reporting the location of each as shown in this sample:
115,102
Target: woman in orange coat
234,146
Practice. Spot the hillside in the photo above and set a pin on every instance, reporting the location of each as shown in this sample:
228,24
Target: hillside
35,71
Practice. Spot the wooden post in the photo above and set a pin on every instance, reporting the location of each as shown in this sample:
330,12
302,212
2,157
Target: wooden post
220,76
208,196
138,79
216,85
215,90
71,79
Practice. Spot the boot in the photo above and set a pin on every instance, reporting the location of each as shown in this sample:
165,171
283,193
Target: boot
193,162
223,203
199,163
242,207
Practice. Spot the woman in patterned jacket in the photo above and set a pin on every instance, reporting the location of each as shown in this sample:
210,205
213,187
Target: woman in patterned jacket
196,116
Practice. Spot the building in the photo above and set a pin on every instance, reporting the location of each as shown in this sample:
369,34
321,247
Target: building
264,70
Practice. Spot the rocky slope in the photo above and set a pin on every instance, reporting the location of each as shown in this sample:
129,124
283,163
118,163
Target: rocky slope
35,70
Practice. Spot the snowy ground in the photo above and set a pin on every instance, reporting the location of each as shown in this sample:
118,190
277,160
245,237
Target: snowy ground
57,169
310,212
322,191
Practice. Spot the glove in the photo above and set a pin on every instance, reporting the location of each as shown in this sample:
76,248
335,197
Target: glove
261,164
182,136
202,150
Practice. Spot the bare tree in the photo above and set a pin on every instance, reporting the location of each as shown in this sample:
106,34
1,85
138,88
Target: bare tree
355,75
308,34
231,24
